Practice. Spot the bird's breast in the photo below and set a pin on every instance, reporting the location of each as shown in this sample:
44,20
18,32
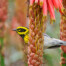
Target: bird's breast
26,39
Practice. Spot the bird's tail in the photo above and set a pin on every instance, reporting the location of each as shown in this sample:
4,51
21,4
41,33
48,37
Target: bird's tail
64,43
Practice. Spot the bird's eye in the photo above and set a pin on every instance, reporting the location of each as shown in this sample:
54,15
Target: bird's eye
21,30
18,30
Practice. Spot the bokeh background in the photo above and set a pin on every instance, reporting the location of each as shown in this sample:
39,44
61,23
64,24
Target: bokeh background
13,43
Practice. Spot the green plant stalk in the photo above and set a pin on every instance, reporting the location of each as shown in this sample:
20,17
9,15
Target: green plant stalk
1,57
64,55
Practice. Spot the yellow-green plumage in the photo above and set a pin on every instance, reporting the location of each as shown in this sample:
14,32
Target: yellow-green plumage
23,32
26,38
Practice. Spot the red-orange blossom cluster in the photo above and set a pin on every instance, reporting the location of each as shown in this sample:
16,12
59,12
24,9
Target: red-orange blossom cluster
49,5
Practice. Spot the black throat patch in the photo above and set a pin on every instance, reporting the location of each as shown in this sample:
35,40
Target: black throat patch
22,36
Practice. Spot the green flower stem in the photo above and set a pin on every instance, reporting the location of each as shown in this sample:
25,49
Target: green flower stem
1,57
64,55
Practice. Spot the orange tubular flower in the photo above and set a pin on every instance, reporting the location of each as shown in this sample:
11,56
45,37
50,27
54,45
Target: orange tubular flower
60,5
31,2
49,5
44,8
51,10
55,3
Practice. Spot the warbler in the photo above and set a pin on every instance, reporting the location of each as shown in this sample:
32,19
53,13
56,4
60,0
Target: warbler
48,41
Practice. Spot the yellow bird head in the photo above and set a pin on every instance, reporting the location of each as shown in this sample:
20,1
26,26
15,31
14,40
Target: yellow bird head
22,31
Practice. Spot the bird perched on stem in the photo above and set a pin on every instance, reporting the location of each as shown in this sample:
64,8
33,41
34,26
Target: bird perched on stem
49,42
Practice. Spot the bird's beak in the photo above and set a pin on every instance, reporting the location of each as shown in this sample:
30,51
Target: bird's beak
14,29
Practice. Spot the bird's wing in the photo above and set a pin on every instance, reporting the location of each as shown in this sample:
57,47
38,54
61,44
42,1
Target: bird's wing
47,41
52,42
46,35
